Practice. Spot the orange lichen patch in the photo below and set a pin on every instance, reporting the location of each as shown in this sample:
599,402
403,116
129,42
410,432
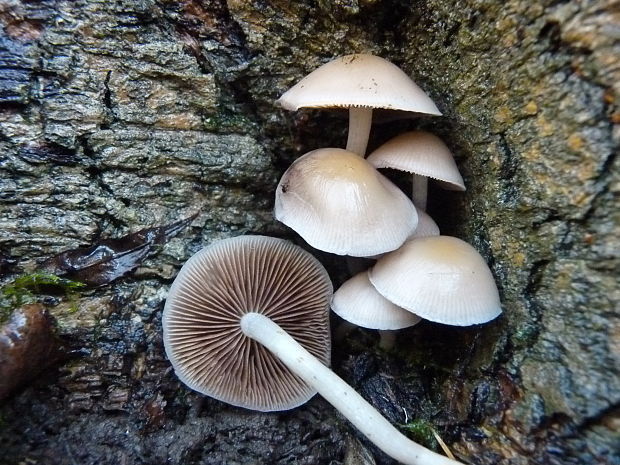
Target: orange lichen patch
545,128
531,108
615,118
183,121
575,142
609,96
518,259
503,114
581,199
588,238
533,154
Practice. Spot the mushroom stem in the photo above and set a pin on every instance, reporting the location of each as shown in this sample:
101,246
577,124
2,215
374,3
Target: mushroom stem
387,339
360,120
338,393
419,191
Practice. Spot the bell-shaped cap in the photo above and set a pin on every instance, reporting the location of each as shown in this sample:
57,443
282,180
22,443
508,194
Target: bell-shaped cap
215,288
358,81
358,302
441,278
421,153
339,203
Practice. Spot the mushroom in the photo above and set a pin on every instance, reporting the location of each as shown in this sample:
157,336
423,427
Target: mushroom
441,278
426,228
426,225
425,156
360,83
339,203
246,322
358,302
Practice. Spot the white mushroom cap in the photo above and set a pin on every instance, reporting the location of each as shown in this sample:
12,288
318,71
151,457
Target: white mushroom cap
426,228
426,225
420,153
339,203
358,81
358,302
442,279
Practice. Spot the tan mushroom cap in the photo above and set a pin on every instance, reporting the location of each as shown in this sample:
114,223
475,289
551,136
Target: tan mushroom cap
442,279
215,288
358,81
358,302
339,203
420,153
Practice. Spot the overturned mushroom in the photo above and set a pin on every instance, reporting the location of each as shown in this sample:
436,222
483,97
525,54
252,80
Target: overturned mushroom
359,83
235,325
425,156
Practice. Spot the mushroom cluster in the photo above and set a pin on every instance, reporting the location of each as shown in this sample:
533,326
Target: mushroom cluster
418,273
246,320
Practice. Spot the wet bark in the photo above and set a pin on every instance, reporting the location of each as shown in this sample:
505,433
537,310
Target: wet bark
120,119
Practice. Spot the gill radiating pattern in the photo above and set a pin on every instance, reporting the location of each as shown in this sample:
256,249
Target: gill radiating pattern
215,288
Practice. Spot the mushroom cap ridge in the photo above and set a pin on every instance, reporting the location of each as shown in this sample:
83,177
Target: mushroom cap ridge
358,80
339,203
215,288
441,279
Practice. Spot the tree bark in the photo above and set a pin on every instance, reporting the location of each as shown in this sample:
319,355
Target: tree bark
119,119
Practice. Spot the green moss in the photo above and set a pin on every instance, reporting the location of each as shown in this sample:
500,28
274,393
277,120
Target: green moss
422,432
27,289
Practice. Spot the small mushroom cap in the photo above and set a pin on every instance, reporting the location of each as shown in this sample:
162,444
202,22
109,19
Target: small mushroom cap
358,81
420,153
426,228
441,278
215,288
339,203
358,302
426,225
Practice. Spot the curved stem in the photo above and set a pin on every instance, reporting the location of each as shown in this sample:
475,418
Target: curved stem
360,120
338,393
419,191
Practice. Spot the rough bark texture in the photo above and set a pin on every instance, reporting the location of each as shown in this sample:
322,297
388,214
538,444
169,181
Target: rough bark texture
125,117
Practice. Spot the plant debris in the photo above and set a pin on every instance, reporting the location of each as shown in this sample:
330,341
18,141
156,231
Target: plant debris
111,259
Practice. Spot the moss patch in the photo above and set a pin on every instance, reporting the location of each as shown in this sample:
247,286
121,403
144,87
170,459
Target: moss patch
422,432
28,288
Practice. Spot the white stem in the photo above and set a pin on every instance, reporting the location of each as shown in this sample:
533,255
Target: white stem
419,191
387,339
338,393
360,120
